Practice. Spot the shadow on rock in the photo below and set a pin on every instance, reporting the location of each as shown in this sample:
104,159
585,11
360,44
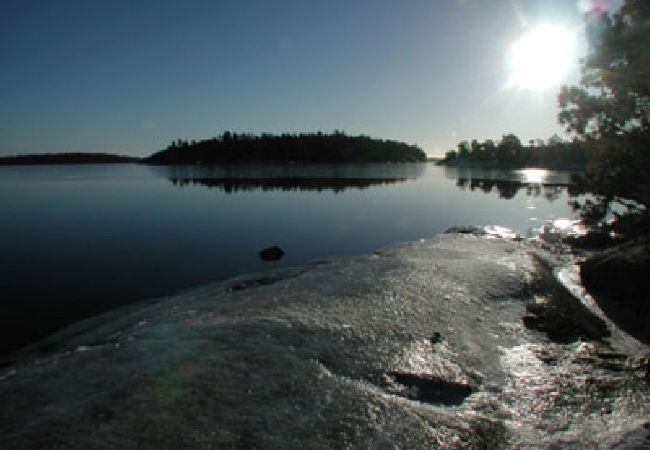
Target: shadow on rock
619,281
561,315
428,389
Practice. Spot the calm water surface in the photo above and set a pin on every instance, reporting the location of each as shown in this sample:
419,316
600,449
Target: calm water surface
77,240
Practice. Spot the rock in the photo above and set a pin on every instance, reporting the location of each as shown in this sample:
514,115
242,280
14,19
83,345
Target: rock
618,280
591,240
273,253
620,272
432,390
562,316
466,229
326,356
531,322
487,230
637,438
436,338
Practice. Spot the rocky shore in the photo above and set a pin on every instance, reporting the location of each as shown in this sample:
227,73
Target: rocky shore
455,342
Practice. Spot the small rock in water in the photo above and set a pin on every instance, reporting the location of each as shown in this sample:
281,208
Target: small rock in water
271,253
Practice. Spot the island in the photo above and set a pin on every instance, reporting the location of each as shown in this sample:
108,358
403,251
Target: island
511,153
66,158
266,148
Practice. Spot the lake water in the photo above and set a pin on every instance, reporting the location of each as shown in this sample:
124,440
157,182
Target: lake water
77,240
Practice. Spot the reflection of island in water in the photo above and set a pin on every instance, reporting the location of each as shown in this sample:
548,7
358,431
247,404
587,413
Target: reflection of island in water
507,189
318,184
299,177
508,183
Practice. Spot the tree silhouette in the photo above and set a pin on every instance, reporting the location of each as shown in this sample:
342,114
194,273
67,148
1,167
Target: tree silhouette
509,148
66,158
296,148
511,153
610,112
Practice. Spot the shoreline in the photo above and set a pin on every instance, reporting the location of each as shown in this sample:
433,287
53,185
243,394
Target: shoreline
426,336
72,158
504,166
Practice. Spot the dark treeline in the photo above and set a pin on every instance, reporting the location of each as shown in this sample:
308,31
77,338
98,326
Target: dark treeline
66,158
318,184
300,148
511,152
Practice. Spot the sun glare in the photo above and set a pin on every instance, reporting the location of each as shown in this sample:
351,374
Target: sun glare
533,176
541,58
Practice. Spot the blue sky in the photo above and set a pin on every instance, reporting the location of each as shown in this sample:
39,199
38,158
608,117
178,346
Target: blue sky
130,76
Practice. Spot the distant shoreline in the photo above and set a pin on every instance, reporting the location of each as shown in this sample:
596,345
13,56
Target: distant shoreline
66,158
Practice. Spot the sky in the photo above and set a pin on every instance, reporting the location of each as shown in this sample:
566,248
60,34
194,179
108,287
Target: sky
130,76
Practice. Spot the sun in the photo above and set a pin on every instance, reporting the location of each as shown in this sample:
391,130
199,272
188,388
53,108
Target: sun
541,58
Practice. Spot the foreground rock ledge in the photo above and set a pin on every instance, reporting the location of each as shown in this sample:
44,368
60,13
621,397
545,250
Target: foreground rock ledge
417,346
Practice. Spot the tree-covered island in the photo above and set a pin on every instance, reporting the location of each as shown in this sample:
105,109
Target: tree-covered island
267,148
511,152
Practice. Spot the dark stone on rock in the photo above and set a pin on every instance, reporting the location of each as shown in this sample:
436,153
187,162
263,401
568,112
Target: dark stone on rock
436,338
466,229
619,280
433,390
271,253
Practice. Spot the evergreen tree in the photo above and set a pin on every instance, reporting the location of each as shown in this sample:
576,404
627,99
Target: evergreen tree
610,112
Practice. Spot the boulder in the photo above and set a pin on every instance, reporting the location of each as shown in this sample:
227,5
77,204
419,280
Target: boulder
619,280
273,253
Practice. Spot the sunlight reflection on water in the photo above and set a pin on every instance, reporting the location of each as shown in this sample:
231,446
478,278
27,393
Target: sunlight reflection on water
533,175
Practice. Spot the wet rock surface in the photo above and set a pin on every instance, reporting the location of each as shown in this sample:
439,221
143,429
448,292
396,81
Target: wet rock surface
418,346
